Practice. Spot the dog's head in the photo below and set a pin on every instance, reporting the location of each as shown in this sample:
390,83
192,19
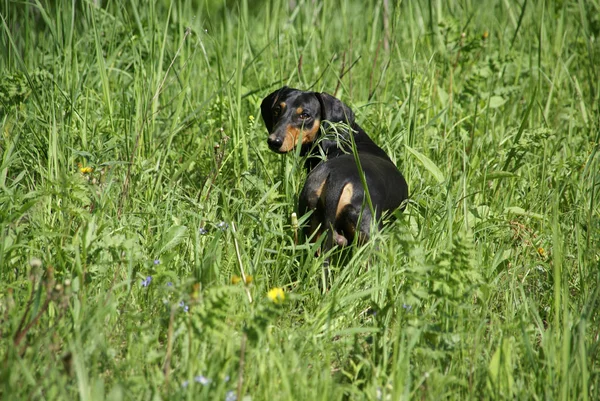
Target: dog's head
293,116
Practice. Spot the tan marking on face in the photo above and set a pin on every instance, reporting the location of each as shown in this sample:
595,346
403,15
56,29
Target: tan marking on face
291,137
309,136
277,113
345,199
299,110
292,134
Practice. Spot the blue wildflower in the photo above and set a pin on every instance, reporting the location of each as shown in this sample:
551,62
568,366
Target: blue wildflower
202,231
169,284
185,307
205,381
227,378
185,384
407,307
146,282
157,261
222,226
230,396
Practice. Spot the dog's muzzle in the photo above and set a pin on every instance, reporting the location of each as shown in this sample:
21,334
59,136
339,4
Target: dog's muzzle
274,142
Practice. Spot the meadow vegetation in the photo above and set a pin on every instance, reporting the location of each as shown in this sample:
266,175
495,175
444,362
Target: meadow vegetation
147,249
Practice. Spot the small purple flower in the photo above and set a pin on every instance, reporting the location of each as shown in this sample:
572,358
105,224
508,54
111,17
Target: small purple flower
185,307
202,231
185,384
222,226
156,261
407,307
146,282
230,396
169,284
205,381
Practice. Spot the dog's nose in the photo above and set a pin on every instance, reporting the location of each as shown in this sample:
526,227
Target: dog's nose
274,142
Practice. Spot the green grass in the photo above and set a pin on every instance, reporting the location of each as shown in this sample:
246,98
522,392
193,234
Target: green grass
486,287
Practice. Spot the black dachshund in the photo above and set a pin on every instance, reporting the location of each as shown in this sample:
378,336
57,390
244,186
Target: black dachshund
334,188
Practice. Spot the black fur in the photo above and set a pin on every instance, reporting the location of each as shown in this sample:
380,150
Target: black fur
334,189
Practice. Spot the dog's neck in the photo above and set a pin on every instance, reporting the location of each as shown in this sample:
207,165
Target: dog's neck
327,148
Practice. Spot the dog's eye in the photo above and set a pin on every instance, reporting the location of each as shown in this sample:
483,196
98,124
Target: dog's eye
276,111
303,116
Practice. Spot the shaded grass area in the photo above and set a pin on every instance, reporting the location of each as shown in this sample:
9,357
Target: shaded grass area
144,220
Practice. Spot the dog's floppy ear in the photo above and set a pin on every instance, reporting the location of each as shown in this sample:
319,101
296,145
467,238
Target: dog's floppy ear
334,110
266,107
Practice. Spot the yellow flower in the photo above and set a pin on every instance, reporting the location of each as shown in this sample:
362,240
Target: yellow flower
276,295
85,170
236,279
251,118
541,252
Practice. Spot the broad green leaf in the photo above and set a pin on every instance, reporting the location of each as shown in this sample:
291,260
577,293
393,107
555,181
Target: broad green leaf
501,369
496,101
428,164
172,238
522,212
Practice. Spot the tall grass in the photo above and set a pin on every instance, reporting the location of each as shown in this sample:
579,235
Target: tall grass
144,221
